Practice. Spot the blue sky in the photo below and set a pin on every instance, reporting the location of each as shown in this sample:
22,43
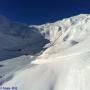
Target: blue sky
42,11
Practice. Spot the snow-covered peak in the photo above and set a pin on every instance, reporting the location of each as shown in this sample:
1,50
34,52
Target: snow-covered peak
16,36
65,63
64,24
66,34
62,34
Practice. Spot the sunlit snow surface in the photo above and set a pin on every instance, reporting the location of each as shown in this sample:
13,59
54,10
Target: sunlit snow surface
65,64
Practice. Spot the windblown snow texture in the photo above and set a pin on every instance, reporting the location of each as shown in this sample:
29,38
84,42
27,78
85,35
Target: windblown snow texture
65,63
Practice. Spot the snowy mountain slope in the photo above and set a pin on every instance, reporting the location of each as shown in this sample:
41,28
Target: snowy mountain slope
17,39
10,66
65,64
63,42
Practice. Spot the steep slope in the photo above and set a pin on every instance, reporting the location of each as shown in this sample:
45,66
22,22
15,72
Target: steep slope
65,64
64,38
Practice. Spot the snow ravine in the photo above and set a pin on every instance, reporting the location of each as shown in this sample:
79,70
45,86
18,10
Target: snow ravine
65,64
